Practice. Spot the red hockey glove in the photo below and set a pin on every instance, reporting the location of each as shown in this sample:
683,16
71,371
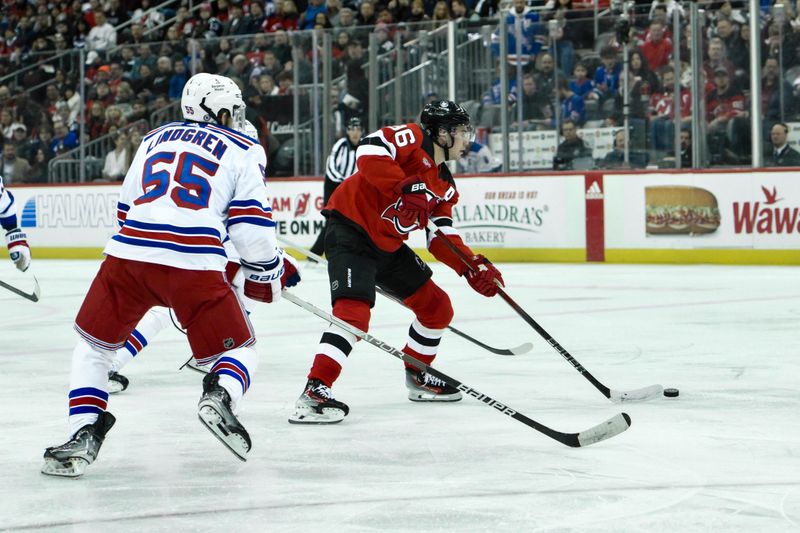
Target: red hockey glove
482,279
263,281
18,250
415,207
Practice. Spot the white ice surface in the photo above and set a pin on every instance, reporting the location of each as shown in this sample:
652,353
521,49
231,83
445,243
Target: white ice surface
724,456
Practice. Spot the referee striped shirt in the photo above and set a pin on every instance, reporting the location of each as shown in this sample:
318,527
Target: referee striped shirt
342,161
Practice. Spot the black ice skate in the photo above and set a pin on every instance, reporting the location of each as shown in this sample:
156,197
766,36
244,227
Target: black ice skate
214,411
424,387
317,406
116,382
71,458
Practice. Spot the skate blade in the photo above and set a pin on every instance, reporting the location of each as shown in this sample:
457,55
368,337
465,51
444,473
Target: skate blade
420,396
310,416
74,467
114,387
212,420
192,365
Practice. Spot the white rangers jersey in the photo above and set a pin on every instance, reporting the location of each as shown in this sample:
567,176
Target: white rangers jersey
8,214
189,186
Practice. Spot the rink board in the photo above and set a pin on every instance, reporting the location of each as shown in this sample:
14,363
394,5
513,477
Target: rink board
529,218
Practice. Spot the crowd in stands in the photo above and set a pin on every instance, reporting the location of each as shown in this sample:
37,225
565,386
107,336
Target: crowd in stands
136,60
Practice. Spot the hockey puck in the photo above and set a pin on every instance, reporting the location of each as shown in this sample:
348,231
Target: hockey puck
671,393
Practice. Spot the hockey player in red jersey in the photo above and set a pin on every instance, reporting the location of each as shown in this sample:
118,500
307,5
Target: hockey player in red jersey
189,186
401,183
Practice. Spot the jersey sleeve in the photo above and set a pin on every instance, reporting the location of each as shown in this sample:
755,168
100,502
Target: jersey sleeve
250,225
442,217
380,155
8,213
131,185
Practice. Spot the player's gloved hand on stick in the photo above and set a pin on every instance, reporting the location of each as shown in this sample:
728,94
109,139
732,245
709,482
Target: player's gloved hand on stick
482,278
263,281
18,249
415,207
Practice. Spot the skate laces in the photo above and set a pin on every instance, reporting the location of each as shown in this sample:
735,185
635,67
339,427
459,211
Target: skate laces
322,390
428,379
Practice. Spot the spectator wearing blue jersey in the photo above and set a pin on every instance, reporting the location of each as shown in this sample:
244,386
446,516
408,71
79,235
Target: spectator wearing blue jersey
531,33
606,77
581,84
572,106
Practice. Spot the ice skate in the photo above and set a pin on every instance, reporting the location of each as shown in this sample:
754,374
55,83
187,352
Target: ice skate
425,387
71,458
214,411
317,406
117,382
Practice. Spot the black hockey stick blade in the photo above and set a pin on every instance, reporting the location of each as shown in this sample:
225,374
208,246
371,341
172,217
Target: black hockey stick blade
516,350
33,296
610,428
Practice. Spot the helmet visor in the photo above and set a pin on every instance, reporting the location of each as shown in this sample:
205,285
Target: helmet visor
466,132
239,121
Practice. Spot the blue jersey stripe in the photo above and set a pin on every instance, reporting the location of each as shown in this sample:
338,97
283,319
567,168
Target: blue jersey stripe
256,221
88,391
169,246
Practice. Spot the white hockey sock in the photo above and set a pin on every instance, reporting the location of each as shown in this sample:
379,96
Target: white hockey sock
424,341
235,368
148,327
88,396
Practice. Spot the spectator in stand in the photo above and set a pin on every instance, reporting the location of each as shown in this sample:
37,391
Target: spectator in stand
96,121
781,154
286,17
103,35
308,17
143,84
347,18
441,12
607,75
281,46
134,35
716,59
138,112
417,12
572,148
21,141
269,65
125,98
493,96
478,159
531,29
119,159
115,120
572,105
570,27
241,68
285,80
162,75
7,124
101,94
38,171
726,113
734,47
147,17
771,82
257,16
657,49
178,80
616,157
662,112
581,84
238,23
14,169
460,10
145,57
537,108
333,7
366,14
641,72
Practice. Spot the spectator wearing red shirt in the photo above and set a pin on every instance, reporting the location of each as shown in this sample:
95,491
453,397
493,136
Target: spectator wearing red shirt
657,49
726,113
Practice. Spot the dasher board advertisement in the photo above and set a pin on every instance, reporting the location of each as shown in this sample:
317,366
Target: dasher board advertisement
755,210
521,211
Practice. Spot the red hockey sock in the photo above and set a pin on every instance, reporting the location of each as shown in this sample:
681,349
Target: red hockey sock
335,345
427,359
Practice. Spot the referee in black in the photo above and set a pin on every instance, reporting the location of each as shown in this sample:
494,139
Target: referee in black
341,165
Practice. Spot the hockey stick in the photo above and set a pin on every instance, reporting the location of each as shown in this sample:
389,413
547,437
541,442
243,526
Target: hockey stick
610,428
34,296
516,350
645,393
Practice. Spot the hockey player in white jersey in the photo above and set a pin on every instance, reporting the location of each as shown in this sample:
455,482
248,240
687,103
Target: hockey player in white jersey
190,184
159,318
16,239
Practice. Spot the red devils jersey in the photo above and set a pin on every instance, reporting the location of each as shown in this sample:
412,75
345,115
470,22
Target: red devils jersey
371,196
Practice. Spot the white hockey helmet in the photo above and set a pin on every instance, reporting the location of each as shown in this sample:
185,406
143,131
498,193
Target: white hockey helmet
206,95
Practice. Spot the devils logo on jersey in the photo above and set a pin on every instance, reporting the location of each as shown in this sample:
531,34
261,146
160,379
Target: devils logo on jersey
392,214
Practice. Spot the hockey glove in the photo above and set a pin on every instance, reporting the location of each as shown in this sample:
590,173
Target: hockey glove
484,276
18,249
263,281
415,207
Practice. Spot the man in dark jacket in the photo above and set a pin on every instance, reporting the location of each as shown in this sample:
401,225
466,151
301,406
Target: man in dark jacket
781,155
572,148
